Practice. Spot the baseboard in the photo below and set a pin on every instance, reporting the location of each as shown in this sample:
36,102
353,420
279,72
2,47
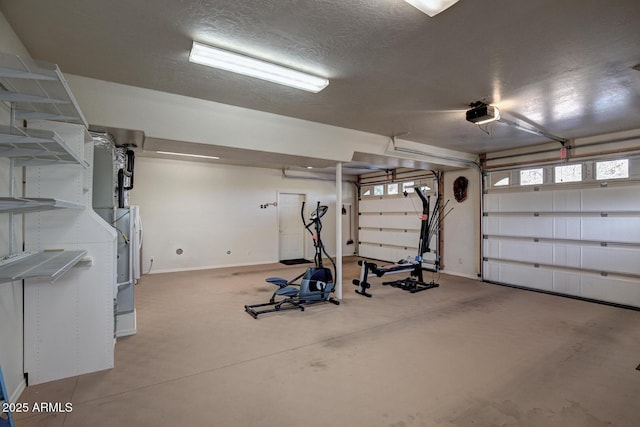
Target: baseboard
18,391
209,267
459,274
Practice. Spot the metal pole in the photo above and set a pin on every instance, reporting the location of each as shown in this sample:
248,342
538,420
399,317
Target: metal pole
338,277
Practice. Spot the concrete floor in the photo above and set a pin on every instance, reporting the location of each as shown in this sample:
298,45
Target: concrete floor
464,354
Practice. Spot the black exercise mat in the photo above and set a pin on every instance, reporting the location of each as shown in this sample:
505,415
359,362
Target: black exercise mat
295,261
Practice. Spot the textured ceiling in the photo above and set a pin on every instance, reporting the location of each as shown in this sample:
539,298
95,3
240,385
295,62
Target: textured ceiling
564,66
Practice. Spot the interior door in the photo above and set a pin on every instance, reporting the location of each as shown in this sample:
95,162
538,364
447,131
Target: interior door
291,230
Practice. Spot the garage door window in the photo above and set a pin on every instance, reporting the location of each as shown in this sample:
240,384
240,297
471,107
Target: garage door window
612,169
407,187
531,176
392,189
568,173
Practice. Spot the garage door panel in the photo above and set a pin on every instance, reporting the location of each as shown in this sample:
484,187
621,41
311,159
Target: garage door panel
491,248
616,260
390,221
526,226
491,271
611,229
567,255
492,202
567,201
526,202
396,204
517,250
391,237
611,199
567,227
568,283
584,285
530,277
491,224
618,291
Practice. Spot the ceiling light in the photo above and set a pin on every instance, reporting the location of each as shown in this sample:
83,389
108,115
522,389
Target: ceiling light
432,7
229,61
188,155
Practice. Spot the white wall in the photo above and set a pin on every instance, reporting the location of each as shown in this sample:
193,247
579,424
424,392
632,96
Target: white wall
209,209
11,330
461,255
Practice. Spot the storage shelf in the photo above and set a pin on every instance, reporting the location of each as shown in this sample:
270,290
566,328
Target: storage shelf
21,74
36,87
36,147
46,264
31,204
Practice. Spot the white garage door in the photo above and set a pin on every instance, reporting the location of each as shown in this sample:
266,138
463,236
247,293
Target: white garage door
389,222
572,229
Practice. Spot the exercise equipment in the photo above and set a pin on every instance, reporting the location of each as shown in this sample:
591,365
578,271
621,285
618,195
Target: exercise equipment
429,227
316,283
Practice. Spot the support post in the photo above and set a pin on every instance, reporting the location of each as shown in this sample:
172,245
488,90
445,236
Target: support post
338,278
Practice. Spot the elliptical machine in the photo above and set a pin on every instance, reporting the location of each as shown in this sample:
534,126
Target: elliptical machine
316,283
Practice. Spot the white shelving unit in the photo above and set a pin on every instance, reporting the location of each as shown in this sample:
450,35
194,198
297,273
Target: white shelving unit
35,90
68,304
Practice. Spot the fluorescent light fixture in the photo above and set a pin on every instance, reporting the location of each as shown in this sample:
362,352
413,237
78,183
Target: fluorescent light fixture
229,61
188,155
432,7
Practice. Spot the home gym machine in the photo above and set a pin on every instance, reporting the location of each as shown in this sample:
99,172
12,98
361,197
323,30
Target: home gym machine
429,227
316,284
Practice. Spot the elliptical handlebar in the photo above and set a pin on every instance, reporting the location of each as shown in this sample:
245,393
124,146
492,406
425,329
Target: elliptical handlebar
314,220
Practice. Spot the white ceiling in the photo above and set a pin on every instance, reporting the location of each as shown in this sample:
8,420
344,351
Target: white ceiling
564,66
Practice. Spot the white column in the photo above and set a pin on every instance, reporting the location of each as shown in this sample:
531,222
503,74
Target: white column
338,278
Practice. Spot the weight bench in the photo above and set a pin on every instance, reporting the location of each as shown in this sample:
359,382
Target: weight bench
414,283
